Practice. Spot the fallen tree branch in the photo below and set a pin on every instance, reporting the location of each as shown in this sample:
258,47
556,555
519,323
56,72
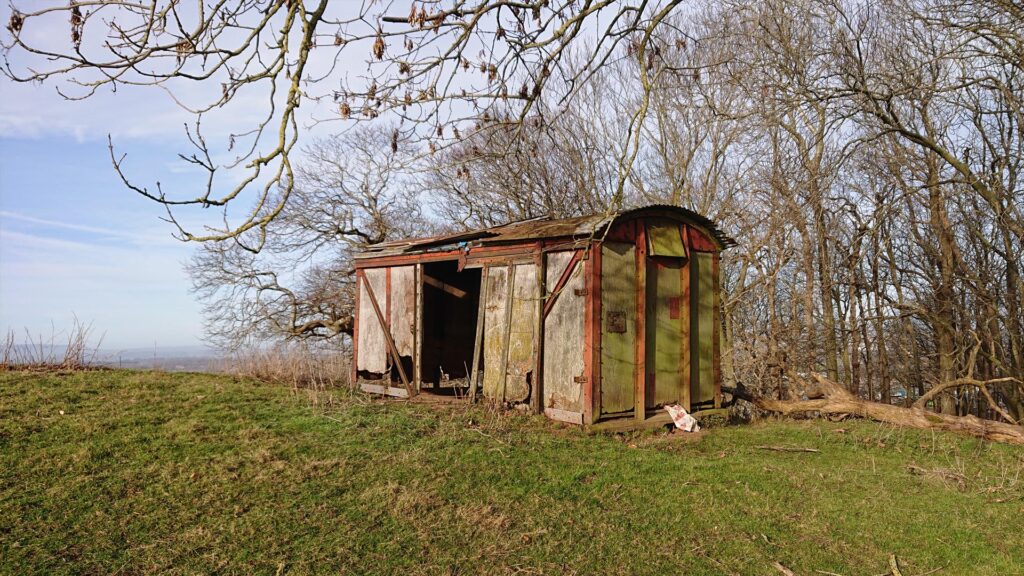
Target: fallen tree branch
838,400
788,449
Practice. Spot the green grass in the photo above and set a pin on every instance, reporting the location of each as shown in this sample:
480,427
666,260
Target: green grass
192,473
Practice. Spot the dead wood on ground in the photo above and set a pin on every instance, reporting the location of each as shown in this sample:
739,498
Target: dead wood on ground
829,398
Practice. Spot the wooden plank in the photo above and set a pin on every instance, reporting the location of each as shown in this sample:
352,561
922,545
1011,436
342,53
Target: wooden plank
536,395
355,331
417,360
640,380
406,259
402,310
592,336
373,352
387,338
684,339
562,281
657,419
444,286
494,329
565,369
564,415
384,390
481,317
522,332
716,317
509,295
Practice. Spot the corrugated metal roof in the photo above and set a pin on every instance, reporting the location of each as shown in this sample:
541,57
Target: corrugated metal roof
540,229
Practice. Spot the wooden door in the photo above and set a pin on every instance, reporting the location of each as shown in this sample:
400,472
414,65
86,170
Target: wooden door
702,328
667,326
618,326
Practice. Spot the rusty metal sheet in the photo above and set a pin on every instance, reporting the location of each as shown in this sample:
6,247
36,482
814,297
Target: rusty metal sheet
580,227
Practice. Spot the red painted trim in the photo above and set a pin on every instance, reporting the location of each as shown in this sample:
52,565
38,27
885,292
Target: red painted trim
701,243
402,259
640,339
716,353
537,398
592,328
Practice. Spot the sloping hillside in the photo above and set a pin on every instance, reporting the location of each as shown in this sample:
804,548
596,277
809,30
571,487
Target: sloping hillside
135,472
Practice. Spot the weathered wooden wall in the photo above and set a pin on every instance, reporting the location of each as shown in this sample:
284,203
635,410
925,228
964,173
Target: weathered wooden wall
403,309
564,337
509,332
373,351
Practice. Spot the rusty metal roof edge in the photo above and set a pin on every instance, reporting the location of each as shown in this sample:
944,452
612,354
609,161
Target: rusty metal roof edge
587,225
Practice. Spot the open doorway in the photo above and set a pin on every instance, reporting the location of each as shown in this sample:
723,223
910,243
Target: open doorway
450,304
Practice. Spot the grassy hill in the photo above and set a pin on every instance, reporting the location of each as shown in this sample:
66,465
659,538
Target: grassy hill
140,472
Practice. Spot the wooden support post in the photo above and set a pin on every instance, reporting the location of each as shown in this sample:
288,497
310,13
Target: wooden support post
355,332
417,363
592,337
395,357
640,357
716,337
510,282
685,309
536,402
481,314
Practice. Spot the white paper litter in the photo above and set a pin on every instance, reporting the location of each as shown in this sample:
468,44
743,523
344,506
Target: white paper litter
682,420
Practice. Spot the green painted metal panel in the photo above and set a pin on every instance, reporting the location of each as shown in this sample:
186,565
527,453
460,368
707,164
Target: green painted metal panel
618,326
664,331
702,299
664,239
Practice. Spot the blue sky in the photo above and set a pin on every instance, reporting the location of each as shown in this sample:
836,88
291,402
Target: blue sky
73,239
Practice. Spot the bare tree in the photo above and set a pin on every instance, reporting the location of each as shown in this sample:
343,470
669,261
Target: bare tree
348,193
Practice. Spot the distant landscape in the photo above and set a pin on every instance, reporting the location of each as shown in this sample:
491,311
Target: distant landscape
196,358
168,358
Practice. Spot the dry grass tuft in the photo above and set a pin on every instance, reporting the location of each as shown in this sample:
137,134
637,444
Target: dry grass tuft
299,365
62,350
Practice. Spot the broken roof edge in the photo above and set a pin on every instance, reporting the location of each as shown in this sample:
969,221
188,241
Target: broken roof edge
541,228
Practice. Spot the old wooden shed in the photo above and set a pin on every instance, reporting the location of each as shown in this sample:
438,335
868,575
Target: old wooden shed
585,319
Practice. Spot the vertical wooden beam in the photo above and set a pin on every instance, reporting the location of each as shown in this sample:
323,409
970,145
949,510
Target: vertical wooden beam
481,314
592,336
716,337
536,395
509,295
684,341
417,342
355,331
640,339
387,297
